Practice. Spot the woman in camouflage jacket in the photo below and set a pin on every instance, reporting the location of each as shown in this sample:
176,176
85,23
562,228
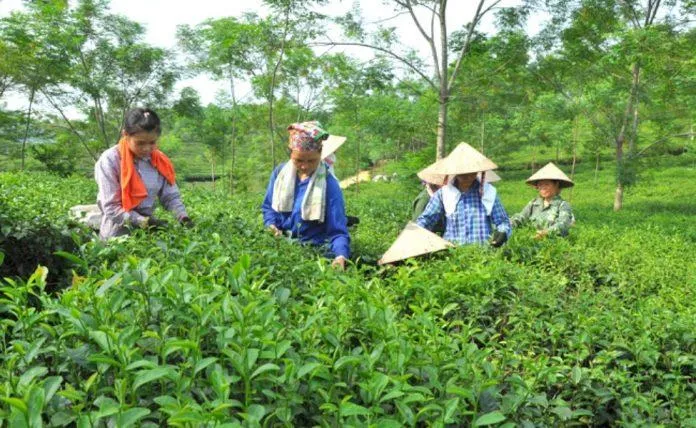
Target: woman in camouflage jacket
548,213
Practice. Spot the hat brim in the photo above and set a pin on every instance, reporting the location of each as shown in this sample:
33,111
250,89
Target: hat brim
562,184
437,179
454,169
413,241
464,159
331,144
491,176
430,175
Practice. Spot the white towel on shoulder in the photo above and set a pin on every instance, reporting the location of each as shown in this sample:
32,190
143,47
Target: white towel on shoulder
451,195
314,201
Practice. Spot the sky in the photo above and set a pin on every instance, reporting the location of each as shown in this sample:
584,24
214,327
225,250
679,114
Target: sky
161,17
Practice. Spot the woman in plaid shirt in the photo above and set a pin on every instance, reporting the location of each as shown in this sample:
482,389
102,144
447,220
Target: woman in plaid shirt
470,209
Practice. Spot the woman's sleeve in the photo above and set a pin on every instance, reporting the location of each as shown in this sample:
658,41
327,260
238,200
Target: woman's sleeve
500,218
270,216
434,212
419,205
107,175
564,220
171,200
523,215
336,223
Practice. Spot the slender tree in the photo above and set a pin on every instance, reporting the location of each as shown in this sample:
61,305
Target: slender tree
436,33
32,61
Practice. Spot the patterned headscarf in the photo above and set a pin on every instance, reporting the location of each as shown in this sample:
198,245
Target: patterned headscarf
307,136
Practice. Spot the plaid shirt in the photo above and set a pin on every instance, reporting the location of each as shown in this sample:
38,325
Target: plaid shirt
469,224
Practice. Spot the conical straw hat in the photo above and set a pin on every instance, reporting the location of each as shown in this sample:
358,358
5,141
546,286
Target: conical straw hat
331,144
413,241
550,172
465,159
430,176
491,177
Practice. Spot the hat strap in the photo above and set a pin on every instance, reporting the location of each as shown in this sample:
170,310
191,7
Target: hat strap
483,180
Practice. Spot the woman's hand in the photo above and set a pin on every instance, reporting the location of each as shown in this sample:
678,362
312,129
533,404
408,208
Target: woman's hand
541,234
339,263
186,222
498,238
274,230
153,223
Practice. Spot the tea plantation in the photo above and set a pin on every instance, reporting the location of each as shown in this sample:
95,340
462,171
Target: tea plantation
223,325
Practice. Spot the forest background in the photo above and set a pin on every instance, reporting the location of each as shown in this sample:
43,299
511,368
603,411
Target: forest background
590,81
224,325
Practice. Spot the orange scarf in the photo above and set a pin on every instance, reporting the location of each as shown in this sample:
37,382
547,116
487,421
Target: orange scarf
133,190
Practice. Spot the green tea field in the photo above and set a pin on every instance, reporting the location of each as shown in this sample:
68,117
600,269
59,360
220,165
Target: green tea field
224,325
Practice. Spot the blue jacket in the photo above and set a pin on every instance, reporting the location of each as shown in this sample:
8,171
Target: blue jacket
334,230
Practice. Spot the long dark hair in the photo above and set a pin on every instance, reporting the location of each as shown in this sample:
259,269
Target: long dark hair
141,119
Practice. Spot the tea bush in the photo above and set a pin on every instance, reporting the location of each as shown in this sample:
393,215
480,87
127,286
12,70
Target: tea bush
223,325
34,225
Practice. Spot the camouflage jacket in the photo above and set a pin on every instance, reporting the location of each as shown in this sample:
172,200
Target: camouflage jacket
556,218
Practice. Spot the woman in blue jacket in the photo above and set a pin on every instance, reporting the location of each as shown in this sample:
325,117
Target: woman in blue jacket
304,200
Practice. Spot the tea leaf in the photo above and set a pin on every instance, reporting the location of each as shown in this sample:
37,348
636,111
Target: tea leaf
28,376
146,376
307,368
108,284
264,369
131,416
491,418
202,364
352,409
16,403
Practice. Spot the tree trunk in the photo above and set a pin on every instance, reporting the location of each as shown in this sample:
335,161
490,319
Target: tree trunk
271,119
483,131
212,169
233,134
575,155
621,139
26,128
444,84
441,129
633,138
618,197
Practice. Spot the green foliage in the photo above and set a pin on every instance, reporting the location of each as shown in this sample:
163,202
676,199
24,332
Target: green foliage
80,56
224,324
59,157
34,224
565,89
